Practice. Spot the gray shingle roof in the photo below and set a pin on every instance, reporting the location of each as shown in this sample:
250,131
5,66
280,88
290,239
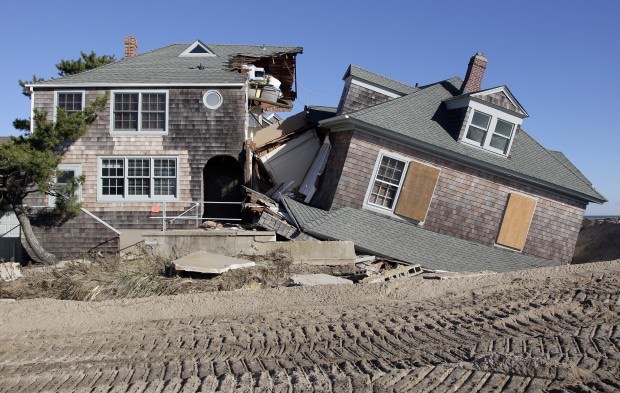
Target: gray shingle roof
164,66
380,80
381,236
422,116
564,160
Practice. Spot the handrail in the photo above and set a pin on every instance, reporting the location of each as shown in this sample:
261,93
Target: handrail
196,205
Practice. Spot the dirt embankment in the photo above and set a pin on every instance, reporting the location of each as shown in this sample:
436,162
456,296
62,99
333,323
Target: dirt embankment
599,240
549,329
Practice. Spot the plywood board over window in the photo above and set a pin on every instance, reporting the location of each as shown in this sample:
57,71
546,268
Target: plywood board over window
417,191
516,222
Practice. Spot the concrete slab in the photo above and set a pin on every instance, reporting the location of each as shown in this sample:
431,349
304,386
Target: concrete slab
318,279
205,262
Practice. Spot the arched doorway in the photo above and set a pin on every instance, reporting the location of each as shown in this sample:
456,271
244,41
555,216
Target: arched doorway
222,179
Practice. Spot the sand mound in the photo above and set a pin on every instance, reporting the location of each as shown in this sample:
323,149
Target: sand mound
599,240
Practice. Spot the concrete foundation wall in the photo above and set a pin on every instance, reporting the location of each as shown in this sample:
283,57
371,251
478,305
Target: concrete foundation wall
226,242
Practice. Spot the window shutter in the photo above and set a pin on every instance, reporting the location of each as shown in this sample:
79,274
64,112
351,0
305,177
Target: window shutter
516,221
417,191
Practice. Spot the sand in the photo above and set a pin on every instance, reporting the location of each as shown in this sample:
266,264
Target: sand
540,329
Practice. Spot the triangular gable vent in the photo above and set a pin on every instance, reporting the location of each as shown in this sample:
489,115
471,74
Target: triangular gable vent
501,96
197,49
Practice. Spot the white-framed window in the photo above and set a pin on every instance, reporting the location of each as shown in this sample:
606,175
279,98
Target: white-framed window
490,129
387,179
137,178
70,100
64,174
212,99
143,112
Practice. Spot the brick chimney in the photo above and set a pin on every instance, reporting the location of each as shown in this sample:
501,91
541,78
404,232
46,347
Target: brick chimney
131,46
475,72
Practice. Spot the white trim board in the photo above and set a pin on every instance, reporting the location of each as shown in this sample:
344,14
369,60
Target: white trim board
373,87
149,84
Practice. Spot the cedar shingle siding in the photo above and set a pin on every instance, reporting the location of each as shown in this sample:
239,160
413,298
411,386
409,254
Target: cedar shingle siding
467,203
195,135
356,97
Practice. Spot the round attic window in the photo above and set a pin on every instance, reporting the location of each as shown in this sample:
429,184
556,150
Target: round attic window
212,99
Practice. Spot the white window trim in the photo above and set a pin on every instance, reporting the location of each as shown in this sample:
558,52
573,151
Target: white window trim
136,198
77,169
378,208
139,132
55,111
495,114
204,99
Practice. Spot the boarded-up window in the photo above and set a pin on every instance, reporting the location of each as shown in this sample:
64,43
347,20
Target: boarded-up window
417,191
516,221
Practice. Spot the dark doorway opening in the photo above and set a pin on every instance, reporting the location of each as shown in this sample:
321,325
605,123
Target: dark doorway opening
222,179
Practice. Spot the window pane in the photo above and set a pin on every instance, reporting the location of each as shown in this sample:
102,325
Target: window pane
153,111
499,142
504,128
390,170
476,134
138,167
112,180
71,102
386,183
481,120
126,111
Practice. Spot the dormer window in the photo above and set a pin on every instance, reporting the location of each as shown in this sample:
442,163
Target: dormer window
493,116
490,132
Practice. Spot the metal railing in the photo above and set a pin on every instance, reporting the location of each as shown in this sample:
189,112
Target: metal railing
184,215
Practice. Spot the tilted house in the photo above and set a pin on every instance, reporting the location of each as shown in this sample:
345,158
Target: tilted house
174,131
451,158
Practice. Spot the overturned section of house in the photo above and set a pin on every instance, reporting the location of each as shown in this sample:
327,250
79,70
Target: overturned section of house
192,135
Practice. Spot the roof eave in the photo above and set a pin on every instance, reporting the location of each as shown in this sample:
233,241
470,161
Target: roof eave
343,123
138,84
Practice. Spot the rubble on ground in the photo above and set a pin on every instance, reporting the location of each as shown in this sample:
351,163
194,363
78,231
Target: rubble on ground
10,271
209,263
317,279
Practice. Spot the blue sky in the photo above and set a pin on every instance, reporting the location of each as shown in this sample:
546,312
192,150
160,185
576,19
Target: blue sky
560,59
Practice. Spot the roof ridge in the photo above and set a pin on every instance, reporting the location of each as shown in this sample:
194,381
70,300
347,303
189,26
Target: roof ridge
561,163
383,76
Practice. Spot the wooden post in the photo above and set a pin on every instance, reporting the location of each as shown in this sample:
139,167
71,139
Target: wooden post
247,170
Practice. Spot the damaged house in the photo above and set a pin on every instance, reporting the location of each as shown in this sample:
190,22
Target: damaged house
444,175
171,140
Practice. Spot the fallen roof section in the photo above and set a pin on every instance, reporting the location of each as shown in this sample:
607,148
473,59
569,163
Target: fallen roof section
405,242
